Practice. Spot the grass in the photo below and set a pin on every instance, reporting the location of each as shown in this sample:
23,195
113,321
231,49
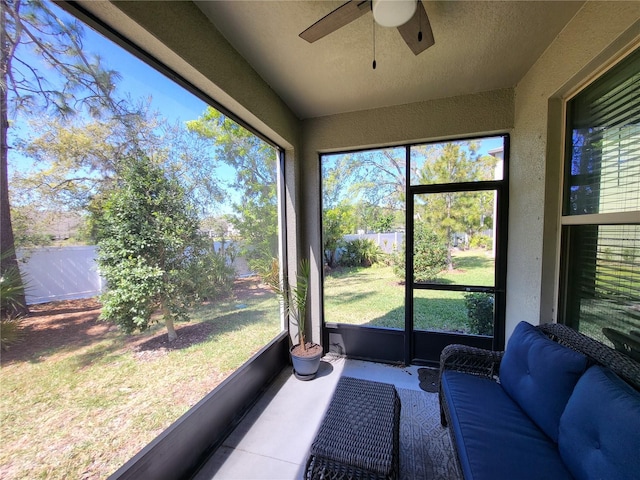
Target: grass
83,413
376,297
81,410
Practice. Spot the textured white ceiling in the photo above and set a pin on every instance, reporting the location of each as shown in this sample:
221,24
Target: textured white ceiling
479,46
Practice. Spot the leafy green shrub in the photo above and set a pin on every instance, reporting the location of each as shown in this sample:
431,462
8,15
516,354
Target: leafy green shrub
149,249
480,240
11,332
360,253
480,313
336,223
349,255
12,291
388,259
429,257
213,273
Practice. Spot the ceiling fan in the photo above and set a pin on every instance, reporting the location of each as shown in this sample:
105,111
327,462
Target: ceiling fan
409,16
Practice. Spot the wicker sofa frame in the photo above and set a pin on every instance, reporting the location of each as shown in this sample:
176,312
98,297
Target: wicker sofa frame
486,363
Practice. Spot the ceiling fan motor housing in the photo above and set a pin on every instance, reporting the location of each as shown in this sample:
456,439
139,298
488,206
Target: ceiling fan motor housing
393,13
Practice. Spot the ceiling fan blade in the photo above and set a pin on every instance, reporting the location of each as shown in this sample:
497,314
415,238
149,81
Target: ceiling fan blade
410,30
340,17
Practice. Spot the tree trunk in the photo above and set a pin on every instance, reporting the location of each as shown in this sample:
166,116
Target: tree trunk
168,321
171,331
7,247
449,201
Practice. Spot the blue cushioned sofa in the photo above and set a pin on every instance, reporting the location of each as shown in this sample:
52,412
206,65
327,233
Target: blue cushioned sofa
555,405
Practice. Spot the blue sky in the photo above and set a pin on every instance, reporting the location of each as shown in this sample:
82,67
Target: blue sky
137,80
141,80
489,144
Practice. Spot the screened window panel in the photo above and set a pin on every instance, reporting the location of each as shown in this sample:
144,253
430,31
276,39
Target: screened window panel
467,219
603,168
363,221
457,161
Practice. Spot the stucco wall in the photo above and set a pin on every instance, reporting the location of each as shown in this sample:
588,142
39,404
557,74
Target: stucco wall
597,33
482,113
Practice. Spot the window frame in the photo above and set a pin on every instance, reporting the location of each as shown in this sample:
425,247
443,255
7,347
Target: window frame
565,219
399,345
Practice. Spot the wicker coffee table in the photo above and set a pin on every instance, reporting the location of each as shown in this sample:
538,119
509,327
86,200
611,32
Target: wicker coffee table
359,436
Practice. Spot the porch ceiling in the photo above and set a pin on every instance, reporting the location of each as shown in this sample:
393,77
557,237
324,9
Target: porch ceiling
479,46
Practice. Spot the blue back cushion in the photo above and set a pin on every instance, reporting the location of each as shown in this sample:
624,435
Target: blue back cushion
540,375
600,428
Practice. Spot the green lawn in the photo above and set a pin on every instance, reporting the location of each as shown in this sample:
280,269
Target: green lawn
82,410
375,296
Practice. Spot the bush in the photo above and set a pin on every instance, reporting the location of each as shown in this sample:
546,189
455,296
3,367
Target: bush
480,313
11,332
213,273
12,291
429,257
360,253
480,240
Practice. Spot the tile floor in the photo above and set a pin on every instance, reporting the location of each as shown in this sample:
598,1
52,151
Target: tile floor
272,442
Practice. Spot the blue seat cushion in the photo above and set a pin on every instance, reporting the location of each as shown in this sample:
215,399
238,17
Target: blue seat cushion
540,375
600,428
494,438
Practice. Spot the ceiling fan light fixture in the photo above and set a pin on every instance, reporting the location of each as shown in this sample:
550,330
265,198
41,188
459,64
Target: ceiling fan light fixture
393,13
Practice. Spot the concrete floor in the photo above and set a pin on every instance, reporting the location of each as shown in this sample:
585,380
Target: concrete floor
272,442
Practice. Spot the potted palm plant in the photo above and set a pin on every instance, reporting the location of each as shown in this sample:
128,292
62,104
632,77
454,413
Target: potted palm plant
305,356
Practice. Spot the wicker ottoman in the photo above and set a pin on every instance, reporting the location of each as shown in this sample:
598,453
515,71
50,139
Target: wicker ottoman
359,436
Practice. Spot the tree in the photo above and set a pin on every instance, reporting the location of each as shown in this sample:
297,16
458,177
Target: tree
429,255
336,223
77,156
374,181
149,248
254,163
380,178
35,228
85,85
359,191
383,222
77,160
